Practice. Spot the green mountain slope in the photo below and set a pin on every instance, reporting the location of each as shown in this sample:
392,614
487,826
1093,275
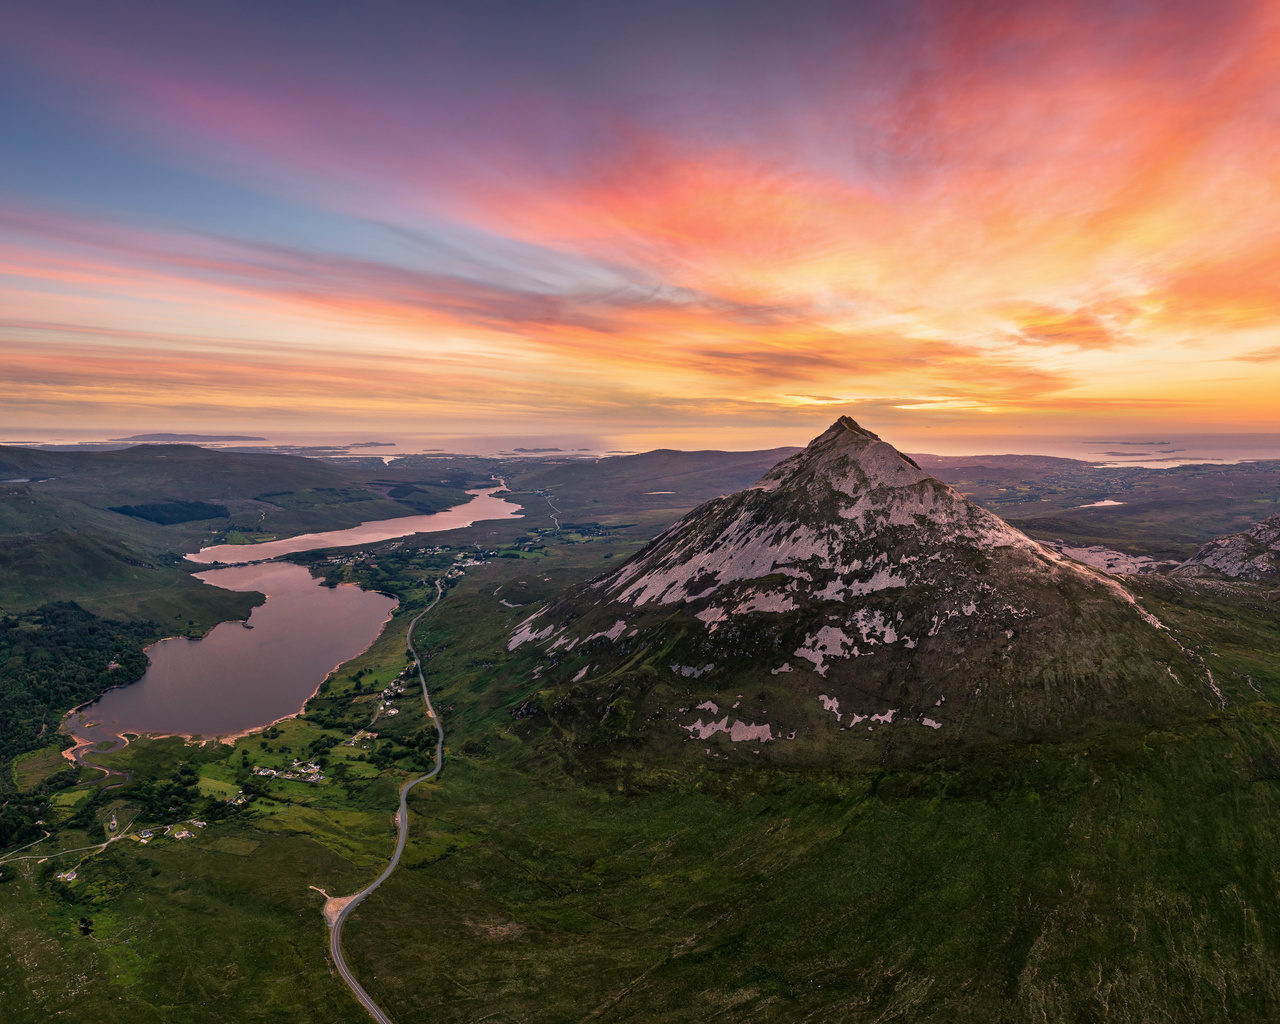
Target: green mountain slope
848,606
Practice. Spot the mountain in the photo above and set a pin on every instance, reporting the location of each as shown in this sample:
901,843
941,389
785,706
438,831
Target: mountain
1252,555
851,602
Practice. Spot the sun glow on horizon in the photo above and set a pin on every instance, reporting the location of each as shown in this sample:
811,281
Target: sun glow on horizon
1057,217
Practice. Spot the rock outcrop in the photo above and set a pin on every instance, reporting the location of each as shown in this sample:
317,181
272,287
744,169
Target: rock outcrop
1252,555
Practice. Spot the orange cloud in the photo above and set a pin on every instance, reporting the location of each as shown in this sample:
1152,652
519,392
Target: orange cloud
1045,212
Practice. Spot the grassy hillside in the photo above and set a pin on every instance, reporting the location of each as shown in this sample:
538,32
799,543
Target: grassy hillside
1118,880
1119,876
111,580
107,529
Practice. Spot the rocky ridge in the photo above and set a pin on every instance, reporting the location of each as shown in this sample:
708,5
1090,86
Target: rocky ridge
1251,555
851,588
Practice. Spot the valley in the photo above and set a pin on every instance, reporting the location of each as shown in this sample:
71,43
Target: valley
1101,855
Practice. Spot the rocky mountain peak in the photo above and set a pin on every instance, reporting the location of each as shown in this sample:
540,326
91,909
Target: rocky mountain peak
849,514
849,577
847,457
845,424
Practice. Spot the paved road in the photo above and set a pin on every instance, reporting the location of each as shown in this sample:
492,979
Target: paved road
402,821
555,516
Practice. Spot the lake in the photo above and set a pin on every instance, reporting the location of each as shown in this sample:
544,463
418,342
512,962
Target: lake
237,679
240,679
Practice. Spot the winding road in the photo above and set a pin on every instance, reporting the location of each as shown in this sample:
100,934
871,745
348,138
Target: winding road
555,516
336,909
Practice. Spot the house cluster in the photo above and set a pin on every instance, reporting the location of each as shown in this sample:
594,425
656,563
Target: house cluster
299,771
146,835
353,559
385,705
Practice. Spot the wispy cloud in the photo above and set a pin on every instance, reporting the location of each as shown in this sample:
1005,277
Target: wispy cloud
1265,355
966,209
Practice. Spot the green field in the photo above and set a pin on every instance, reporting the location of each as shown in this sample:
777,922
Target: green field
1047,882
1127,875
31,769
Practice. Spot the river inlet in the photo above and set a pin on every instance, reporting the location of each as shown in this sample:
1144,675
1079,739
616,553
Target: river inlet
482,506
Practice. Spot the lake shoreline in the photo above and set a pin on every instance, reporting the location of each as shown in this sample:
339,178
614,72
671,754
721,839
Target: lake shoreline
374,531
273,568
85,743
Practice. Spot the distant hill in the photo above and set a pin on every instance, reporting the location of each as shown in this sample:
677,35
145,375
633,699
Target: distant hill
624,485
1163,514
174,471
104,528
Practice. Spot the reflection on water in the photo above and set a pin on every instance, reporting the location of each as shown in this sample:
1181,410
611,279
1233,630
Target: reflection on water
237,679
483,505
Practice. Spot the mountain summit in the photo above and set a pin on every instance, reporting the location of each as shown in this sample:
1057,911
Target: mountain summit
848,516
847,587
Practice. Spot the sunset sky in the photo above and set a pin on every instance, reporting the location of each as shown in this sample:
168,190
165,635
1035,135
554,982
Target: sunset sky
693,222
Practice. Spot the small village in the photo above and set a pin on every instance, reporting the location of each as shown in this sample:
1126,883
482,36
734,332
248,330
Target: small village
175,831
462,560
299,771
